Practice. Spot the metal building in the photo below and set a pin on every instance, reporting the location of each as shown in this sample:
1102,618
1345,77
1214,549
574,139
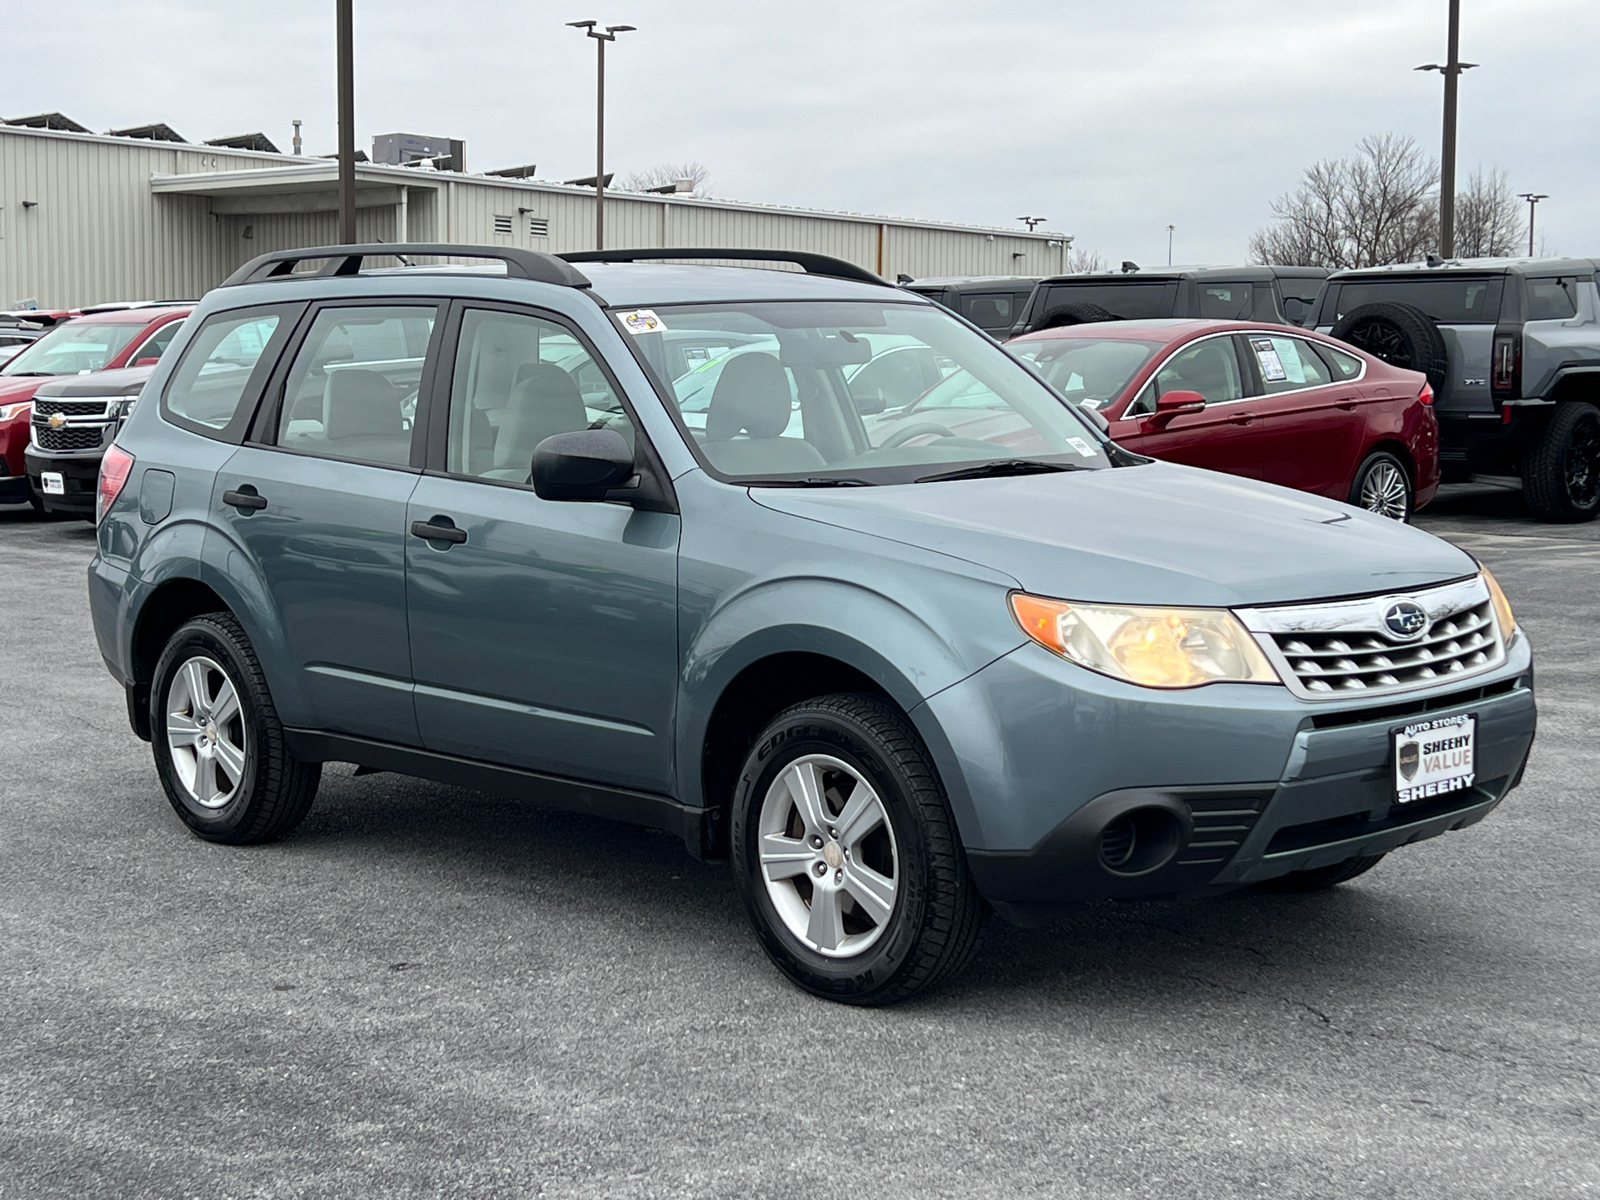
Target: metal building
86,219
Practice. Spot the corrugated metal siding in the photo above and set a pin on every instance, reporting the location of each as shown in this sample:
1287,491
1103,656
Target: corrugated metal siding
99,233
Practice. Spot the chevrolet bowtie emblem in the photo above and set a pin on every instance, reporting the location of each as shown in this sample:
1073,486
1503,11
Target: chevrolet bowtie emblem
57,421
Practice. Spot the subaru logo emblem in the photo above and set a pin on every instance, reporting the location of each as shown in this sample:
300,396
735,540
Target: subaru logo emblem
1405,620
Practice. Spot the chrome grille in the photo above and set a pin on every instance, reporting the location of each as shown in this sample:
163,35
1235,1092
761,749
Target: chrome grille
1344,648
69,408
70,437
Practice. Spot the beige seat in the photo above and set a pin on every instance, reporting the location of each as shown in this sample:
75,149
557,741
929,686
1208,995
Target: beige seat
749,411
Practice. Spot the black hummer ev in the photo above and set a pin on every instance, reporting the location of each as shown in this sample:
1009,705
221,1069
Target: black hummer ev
1512,349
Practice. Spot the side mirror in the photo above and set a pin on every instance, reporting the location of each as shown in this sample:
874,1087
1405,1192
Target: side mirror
1098,417
585,465
871,403
1171,404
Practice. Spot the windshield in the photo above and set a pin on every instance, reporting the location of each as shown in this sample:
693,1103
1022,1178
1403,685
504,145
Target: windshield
1091,371
73,349
854,392
1447,301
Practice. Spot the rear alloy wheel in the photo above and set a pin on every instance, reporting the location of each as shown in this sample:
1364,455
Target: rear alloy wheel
1561,474
1383,486
218,745
846,854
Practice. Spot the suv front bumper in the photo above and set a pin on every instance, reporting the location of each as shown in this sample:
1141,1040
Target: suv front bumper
80,478
1248,782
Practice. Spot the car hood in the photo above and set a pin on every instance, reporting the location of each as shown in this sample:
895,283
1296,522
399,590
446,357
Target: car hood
1152,534
16,388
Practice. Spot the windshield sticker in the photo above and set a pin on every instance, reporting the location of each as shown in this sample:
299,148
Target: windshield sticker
1272,369
1081,446
642,320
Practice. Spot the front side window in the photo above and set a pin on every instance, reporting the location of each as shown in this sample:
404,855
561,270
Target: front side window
158,342
74,349
519,379
1091,371
219,364
812,392
352,391
1286,364
1209,367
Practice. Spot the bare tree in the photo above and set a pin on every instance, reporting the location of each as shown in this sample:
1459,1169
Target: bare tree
665,173
1489,220
1083,262
1377,206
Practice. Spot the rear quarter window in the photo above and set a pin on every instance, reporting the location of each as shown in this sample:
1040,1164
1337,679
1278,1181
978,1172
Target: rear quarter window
214,387
1552,299
1130,301
1449,301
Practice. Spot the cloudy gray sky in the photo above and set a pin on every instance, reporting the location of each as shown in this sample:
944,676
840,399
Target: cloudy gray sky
1112,118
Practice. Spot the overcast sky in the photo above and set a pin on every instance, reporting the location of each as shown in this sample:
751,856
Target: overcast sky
1112,118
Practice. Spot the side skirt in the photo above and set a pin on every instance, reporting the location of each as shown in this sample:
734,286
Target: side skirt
552,791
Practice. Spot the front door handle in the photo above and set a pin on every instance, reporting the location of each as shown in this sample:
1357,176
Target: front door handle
440,529
245,499
1243,418
1347,403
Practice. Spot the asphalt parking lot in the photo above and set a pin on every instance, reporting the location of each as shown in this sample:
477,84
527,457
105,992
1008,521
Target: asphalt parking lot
426,991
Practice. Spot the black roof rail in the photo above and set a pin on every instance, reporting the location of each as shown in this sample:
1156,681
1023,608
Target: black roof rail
811,264
347,260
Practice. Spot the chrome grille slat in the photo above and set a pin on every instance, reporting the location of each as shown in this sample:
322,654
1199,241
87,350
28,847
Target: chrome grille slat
1341,648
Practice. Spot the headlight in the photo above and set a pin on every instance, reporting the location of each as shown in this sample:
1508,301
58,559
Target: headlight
1153,647
118,409
7,411
1502,606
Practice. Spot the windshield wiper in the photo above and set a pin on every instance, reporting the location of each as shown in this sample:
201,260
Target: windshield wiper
1004,466
814,481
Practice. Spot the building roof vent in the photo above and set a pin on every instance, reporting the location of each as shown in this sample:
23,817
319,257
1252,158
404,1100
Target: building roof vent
526,172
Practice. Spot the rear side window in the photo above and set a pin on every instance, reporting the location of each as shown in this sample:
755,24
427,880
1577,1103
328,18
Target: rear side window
224,364
352,392
1226,301
1448,301
989,311
1286,364
1552,299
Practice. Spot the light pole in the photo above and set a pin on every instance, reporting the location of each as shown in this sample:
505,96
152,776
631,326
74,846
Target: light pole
1033,222
609,34
1171,229
1451,69
1533,199
345,20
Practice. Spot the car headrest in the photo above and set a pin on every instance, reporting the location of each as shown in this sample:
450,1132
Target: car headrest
359,404
752,396
545,403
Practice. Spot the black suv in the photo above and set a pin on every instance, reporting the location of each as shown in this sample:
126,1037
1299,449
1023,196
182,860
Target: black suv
991,302
1282,295
1512,349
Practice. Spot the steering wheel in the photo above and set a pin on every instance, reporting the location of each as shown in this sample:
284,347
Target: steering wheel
901,436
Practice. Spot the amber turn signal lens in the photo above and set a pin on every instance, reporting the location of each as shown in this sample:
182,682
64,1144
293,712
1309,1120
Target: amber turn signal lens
1502,606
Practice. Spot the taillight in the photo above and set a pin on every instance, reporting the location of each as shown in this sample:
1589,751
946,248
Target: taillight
1426,394
1505,377
115,468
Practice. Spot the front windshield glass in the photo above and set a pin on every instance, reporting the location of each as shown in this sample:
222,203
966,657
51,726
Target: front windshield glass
851,392
73,349
1090,371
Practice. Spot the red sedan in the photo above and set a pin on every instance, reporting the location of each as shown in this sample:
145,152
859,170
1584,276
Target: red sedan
101,341
1286,406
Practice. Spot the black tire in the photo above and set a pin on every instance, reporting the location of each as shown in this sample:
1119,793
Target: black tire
1561,474
1400,334
1384,486
274,790
1321,878
932,928
1076,313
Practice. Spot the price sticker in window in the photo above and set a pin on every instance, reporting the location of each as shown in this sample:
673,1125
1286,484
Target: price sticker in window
1272,369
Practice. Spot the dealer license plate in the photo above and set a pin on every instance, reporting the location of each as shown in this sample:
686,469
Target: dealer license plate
53,484
1434,758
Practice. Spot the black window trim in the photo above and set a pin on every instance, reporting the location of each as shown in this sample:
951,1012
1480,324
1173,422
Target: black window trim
263,428
435,458
244,416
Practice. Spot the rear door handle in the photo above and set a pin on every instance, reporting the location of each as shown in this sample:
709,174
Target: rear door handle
440,529
1243,418
245,499
1345,402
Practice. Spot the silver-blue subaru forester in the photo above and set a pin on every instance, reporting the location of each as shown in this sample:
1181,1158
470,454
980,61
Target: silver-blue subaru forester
792,563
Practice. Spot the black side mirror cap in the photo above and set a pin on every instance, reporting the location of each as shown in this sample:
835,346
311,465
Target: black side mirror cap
588,464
